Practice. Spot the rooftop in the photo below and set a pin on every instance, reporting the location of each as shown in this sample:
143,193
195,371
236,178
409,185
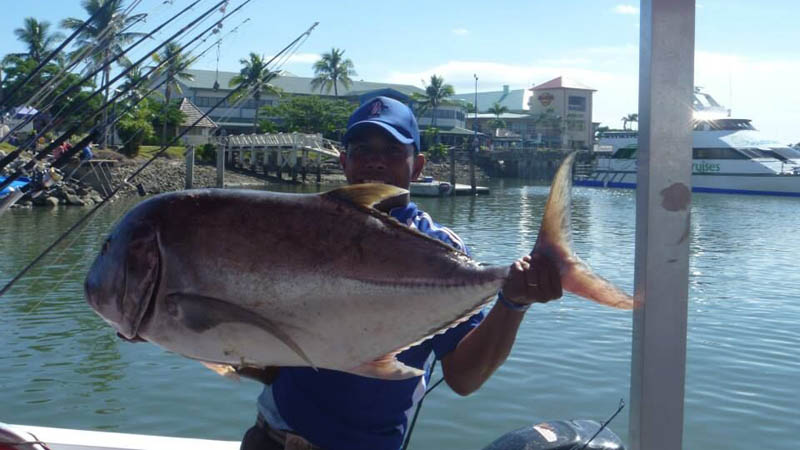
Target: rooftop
513,99
204,79
562,83
191,114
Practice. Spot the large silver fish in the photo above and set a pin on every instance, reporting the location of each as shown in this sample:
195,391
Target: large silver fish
255,279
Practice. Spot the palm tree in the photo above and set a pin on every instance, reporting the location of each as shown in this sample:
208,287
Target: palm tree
435,95
628,119
104,37
37,39
497,109
174,63
256,77
135,83
331,70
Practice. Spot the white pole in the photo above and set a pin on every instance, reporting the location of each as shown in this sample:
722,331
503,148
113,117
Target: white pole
658,366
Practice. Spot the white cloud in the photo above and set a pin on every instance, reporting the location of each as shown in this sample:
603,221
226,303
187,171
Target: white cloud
626,9
460,31
304,58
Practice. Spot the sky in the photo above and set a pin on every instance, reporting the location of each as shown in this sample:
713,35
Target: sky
746,53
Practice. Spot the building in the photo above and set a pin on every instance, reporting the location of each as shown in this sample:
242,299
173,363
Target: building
516,100
520,125
564,107
208,87
199,132
556,114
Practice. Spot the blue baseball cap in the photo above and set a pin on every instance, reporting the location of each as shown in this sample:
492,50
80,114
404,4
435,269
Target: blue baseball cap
391,115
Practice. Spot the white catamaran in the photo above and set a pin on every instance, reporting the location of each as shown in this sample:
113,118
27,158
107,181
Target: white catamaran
729,156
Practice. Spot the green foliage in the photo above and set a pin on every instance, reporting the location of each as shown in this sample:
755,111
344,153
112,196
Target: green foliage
497,109
255,76
37,38
437,152
17,68
136,127
161,111
429,136
496,123
207,153
331,70
309,114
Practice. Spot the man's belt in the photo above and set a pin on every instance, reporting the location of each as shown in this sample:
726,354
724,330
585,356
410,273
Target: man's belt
288,440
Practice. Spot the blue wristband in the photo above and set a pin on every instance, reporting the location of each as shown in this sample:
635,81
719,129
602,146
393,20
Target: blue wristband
514,306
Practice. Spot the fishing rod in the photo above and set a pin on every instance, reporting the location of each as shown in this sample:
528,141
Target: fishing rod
602,427
76,86
74,60
106,63
52,55
137,172
60,140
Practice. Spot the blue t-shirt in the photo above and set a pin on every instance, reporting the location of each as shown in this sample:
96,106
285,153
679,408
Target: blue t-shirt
338,410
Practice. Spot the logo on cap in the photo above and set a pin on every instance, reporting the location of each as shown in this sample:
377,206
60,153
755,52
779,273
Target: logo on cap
376,108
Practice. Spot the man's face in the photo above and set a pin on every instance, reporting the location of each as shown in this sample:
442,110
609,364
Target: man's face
375,156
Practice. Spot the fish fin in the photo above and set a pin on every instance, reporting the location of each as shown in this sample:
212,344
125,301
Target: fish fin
555,243
386,367
225,370
200,312
581,280
368,194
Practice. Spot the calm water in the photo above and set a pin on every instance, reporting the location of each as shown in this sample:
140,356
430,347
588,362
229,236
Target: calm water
61,366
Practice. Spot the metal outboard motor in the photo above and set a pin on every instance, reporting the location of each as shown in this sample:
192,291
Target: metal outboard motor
559,435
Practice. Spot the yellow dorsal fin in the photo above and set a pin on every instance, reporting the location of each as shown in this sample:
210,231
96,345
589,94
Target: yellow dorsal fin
368,194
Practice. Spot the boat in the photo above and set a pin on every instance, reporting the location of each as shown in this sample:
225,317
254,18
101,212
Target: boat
729,155
429,187
15,185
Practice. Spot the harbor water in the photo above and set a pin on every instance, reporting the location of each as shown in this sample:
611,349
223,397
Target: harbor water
62,366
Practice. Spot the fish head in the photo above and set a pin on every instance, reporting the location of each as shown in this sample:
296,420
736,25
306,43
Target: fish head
123,280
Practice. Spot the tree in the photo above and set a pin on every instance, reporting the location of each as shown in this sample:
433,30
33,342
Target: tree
436,94
37,38
174,63
309,114
331,70
497,110
628,119
17,68
136,127
256,77
135,83
103,38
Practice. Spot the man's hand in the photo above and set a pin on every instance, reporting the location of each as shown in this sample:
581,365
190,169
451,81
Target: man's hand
532,279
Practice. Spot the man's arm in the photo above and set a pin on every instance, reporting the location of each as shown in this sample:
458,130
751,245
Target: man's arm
486,347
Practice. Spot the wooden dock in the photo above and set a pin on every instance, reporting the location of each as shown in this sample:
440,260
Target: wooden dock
295,154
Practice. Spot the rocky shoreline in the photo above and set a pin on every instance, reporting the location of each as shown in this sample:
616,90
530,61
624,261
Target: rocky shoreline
167,175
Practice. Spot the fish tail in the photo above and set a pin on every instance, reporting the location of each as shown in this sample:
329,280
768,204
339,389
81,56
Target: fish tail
555,242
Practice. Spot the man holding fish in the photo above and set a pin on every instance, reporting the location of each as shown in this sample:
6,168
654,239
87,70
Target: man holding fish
346,300
338,410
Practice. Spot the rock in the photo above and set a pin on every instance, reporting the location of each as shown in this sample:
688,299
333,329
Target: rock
51,202
82,191
74,200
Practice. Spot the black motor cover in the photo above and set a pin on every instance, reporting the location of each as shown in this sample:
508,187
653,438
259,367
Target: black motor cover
558,435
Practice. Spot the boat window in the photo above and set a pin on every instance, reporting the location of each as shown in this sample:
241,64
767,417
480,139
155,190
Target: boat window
718,153
625,153
787,152
776,155
730,124
755,153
